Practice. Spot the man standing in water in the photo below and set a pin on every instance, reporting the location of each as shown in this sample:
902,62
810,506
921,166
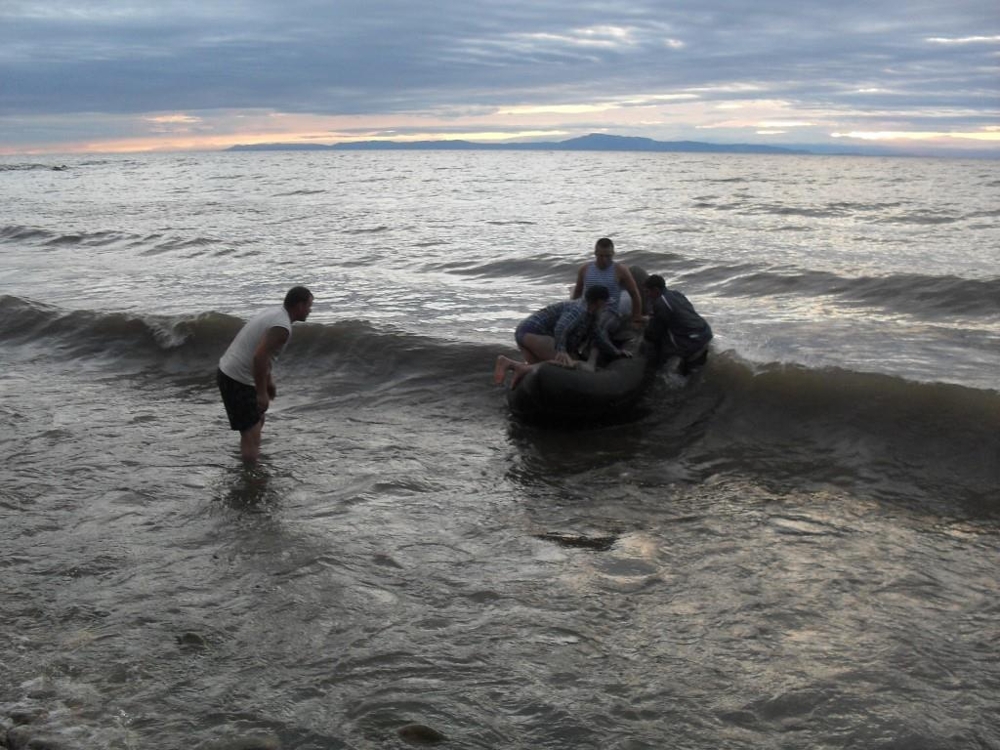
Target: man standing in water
244,374
616,277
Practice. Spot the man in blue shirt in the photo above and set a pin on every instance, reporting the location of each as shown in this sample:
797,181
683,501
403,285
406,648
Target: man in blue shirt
553,334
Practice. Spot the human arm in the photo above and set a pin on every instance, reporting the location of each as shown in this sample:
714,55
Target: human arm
657,332
572,319
601,336
578,289
658,325
570,316
270,345
627,282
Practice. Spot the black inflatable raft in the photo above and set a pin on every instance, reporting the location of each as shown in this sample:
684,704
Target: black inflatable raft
551,393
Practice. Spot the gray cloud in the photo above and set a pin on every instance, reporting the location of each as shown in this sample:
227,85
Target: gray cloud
916,62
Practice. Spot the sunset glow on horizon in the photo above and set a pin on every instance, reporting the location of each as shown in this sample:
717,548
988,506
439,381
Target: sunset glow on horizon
918,78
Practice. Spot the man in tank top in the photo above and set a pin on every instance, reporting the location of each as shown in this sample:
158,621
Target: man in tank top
244,374
604,271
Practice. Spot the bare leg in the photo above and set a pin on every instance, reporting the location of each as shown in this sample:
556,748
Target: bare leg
250,442
590,364
500,368
520,370
538,348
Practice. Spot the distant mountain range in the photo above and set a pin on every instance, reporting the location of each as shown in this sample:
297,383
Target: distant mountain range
592,142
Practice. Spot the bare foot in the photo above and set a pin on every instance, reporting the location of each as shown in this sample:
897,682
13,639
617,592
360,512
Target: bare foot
500,369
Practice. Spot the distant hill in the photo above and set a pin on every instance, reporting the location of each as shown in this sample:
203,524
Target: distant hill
592,142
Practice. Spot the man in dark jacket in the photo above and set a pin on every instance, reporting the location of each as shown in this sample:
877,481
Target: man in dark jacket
674,328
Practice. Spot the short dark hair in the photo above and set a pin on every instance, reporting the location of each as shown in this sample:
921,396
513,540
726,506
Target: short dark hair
655,281
596,293
297,295
605,243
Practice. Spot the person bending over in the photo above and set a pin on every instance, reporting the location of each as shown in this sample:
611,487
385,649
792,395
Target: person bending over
674,329
551,334
244,374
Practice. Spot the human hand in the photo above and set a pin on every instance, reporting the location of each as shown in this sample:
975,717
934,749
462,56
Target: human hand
563,359
263,401
272,392
624,353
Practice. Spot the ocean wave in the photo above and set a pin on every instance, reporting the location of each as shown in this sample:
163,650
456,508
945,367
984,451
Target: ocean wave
368,230
818,424
158,244
886,431
541,267
32,166
193,343
923,217
150,244
302,191
101,335
901,293
892,212
316,347
556,268
17,234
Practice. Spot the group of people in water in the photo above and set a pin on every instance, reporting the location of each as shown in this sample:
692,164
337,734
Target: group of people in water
585,330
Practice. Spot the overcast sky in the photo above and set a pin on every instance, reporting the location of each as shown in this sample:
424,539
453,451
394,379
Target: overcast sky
125,75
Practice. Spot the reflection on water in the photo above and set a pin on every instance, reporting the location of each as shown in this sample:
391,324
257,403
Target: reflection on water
772,555
247,488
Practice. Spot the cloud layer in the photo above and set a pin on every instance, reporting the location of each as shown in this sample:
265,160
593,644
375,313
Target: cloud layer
87,74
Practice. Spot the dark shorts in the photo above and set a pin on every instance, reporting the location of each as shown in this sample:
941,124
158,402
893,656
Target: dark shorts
531,324
240,400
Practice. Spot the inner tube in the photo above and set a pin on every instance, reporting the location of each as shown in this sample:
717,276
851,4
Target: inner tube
562,394
551,393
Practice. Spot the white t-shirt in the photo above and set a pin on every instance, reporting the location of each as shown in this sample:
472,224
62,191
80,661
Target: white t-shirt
237,362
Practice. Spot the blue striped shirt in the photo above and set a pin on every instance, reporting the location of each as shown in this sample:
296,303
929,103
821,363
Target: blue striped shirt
607,277
567,322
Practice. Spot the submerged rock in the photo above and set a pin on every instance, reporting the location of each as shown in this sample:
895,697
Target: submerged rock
27,715
247,743
24,737
192,641
419,734
600,543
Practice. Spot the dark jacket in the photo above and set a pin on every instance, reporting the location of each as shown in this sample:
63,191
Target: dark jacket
675,329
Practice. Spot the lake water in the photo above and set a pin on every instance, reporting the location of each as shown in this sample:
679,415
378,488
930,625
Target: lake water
798,548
